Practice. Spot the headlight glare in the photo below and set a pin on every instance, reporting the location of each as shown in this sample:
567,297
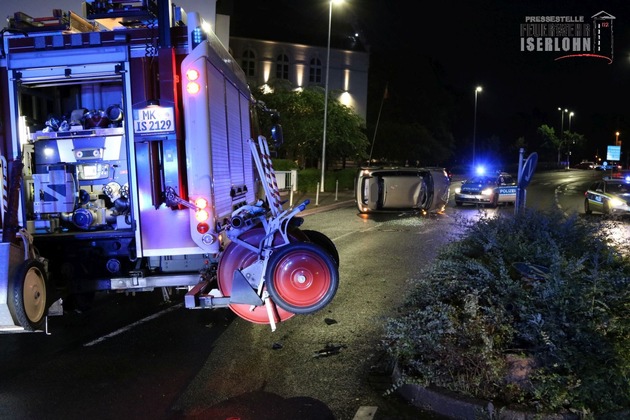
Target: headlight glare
615,202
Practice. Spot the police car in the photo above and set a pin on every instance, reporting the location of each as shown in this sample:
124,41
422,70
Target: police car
490,190
608,196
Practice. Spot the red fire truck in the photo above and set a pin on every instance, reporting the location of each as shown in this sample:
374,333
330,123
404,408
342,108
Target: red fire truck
132,161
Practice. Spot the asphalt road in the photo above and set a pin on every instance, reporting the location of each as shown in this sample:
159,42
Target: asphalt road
136,357
327,365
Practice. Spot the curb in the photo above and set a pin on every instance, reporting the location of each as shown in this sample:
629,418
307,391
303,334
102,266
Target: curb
325,201
464,408
320,208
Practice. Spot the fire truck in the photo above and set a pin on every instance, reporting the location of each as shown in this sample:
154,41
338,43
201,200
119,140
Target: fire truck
132,161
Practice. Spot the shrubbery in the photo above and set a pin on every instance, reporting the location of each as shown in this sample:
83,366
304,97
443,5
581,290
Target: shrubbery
309,178
474,325
342,179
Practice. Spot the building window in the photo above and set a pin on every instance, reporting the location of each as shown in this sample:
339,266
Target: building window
315,71
248,63
282,67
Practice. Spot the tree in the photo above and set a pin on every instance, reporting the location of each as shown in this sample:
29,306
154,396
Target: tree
574,143
551,139
520,143
411,142
302,119
571,142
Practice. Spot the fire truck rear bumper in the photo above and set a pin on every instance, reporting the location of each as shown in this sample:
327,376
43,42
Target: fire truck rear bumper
140,283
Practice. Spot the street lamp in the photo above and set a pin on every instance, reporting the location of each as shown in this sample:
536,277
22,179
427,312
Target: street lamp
330,4
477,90
569,144
562,112
617,138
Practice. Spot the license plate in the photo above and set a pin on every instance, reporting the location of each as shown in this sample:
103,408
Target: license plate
154,119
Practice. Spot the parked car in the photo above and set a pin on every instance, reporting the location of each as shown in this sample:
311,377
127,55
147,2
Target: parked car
608,196
608,167
384,189
491,190
585,165
621,174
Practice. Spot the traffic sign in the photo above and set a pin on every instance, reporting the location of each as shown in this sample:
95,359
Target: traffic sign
528,170
613,153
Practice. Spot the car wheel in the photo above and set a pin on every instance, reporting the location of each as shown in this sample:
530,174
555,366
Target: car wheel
458,203
587,207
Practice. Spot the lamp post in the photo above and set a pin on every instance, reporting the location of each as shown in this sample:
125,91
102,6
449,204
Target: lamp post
617,138
562,111
569,144
330,7
477,90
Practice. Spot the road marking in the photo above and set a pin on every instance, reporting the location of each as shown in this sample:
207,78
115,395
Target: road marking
130,326
556,195
365,412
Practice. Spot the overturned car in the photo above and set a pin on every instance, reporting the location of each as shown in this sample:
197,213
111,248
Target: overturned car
383,189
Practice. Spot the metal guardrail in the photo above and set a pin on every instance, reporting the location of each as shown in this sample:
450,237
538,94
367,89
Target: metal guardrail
287,180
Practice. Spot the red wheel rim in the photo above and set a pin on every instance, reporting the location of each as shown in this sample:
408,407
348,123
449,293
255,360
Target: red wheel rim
236,257
301,278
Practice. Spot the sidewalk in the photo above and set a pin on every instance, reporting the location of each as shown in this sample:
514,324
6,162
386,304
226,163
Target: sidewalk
319,201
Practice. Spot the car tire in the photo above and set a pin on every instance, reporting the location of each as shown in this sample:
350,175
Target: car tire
458,203
587,207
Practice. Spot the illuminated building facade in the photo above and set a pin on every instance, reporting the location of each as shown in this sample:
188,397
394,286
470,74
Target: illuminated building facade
304,66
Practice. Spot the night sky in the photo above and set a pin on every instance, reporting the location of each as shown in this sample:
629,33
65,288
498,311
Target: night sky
458,44
471,43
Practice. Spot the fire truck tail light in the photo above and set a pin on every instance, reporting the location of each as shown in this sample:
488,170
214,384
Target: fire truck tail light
201,216
192,75
193,88
203,228
201,203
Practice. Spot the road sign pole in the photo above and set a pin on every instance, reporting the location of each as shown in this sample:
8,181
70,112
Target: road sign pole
519,199
524,178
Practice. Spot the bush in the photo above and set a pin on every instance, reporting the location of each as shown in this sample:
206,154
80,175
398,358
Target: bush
309,178
284,164
473,318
